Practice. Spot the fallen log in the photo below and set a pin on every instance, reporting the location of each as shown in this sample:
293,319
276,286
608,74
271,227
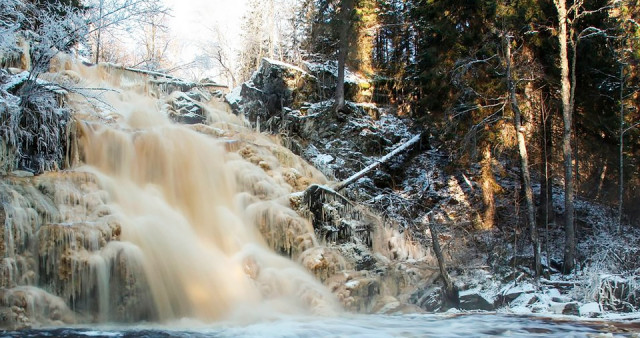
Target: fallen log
353,178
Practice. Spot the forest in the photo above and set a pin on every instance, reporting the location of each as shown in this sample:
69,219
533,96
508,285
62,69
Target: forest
552,86
531,107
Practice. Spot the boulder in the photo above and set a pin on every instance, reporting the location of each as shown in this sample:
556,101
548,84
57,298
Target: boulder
184,108
510,292
474,300
570,308
272,87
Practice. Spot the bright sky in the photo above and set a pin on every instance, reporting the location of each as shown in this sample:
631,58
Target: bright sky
193,21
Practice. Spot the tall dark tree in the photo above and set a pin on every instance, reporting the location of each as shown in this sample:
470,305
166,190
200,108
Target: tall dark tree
346,15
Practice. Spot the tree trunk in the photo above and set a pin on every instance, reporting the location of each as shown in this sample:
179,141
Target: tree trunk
488,183
99,31
346,7
524,162
452,297
546,181
621,151
570,245
572,101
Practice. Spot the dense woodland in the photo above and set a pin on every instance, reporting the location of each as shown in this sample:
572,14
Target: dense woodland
548,86
551,87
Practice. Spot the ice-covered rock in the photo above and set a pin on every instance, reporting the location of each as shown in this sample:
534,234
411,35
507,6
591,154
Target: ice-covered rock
34,124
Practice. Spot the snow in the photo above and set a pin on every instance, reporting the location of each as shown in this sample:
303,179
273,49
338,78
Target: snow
234,96
322,159
352,284
590,309
511,289
284,64
331,67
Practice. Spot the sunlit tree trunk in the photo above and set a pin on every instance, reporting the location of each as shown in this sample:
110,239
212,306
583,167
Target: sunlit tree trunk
488,186
524,161
621,150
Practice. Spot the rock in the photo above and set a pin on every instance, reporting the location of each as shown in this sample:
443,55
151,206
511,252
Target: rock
335,219
272,87
591,310
473,300
367,262
430,299
356,88
510,292
525,299
391,306
186,109
571,309
357,290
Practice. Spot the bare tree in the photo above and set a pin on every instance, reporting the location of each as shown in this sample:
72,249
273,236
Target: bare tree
218,53
154,36
109,16
623,128
569,36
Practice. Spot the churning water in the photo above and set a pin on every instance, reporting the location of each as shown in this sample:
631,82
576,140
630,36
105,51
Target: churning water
476,325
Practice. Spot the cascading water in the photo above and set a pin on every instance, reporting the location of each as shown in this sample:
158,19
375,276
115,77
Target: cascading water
159,221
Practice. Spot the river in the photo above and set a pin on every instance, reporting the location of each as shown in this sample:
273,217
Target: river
350,325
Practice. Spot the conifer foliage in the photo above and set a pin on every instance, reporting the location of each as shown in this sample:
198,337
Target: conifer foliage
570,80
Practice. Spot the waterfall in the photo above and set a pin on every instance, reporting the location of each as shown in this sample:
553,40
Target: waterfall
156,220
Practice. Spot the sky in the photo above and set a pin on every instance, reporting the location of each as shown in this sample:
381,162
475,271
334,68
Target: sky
192,23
